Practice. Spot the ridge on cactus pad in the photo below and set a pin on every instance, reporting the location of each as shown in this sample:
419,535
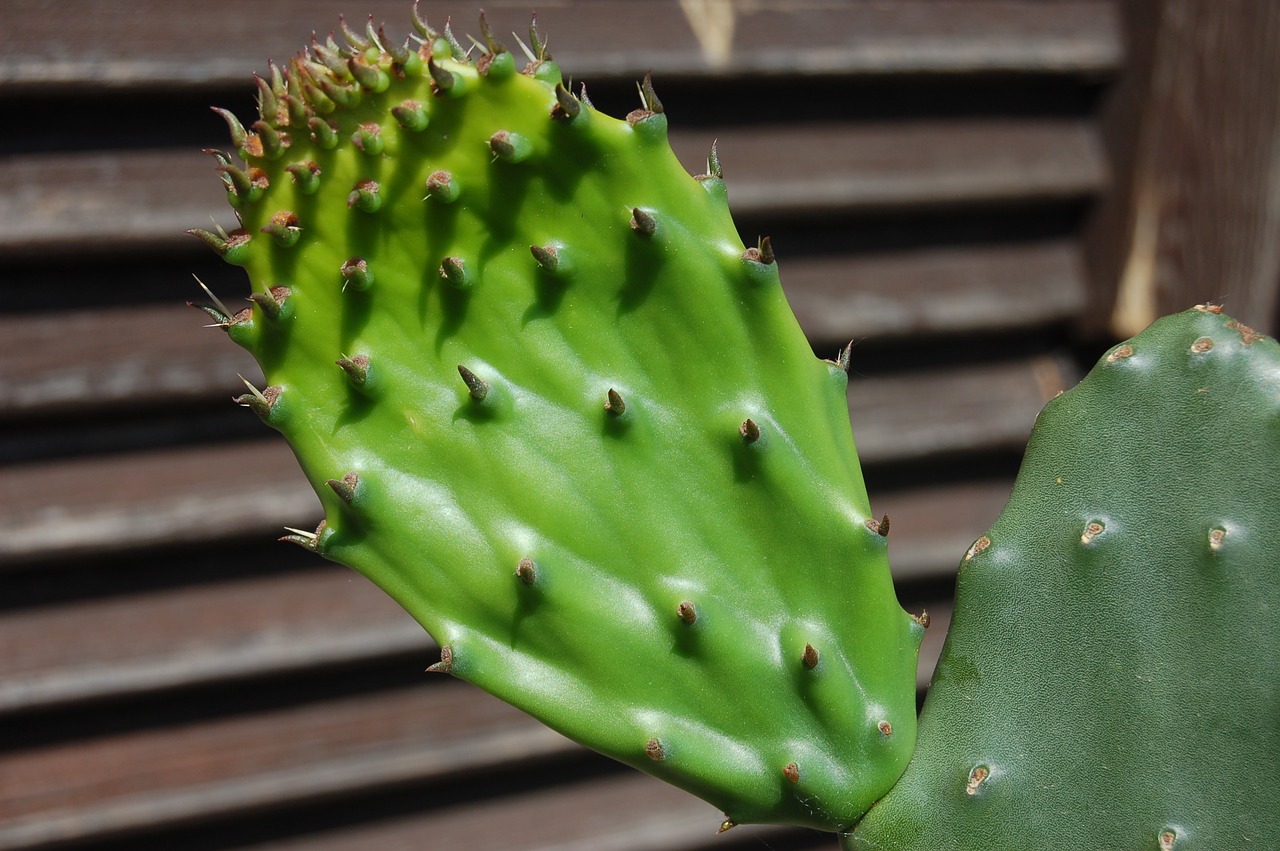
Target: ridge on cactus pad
1110,676
556,409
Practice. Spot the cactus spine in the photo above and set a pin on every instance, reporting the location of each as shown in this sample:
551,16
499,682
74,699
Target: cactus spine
556,409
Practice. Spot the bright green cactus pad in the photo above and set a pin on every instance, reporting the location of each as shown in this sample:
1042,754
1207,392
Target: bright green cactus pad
1111,679
554,408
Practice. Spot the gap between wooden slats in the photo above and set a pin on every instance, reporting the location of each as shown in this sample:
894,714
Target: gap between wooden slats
626,812
114,504
81,363
135,200
155,42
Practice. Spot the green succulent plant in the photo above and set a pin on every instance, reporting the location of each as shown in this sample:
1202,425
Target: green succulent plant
556,409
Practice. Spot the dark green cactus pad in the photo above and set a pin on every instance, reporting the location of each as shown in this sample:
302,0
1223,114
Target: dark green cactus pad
556,409
1112,675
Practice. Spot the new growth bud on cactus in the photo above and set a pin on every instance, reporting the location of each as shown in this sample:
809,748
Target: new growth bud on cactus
555,408
1109,679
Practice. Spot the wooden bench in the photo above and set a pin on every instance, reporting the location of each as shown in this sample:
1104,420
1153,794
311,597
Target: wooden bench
172,677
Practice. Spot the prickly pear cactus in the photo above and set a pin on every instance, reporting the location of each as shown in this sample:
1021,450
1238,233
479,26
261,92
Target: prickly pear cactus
1110,677
555,409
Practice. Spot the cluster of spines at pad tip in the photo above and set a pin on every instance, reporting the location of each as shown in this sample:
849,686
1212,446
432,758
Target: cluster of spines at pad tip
298,100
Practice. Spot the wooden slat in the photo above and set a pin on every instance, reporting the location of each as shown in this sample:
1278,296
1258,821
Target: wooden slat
85,362
986,289
144,357
155,42
917,416
627,812
165,777
114,504
137,200
135,645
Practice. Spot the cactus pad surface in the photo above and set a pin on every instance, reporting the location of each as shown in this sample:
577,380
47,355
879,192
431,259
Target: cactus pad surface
556,409
1111,675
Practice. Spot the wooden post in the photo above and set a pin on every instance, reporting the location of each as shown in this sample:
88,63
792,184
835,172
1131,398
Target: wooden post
1193,131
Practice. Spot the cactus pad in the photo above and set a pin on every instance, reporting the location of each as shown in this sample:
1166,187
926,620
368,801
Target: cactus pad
1110,678
554,407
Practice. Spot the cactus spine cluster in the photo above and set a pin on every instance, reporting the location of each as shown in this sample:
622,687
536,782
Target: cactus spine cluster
556,409
1109,679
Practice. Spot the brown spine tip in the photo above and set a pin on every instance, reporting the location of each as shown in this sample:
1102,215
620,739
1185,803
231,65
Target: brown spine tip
548,257
1202,345
442,79
526,571
368,139
1247,334
306,175
845,357
355,274
880,527
885,728
1209,308
614,403
727,825
442,187
791,772
762,253
649,103
1168,837
283,228
309,541
713,163
567,106
445,665
345,488
687,612
476,386
922,618
977,777
643,222
977,547
810,657
454,271
655,751
356,368
366,196
1217,537
259,401
1120,353
411,115
1091,531
749,430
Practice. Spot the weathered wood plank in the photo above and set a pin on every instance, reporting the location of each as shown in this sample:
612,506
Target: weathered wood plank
82,363
105,505
141,644
143,200
154,42
627,812
120,784
979,290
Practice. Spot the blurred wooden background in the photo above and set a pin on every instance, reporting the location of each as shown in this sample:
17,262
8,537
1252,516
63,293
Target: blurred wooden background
981,193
